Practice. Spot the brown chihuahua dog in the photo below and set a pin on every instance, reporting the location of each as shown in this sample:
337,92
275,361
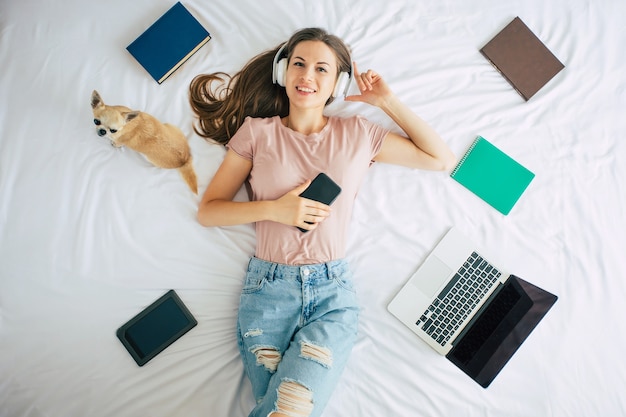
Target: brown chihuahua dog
163,145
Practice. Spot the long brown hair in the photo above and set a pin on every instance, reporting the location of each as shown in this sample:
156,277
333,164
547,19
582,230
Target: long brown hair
222,110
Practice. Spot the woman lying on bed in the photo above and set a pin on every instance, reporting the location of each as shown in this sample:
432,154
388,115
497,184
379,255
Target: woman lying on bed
298,313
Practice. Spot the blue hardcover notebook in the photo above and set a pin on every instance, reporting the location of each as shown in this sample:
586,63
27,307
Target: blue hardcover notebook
492,175
169,42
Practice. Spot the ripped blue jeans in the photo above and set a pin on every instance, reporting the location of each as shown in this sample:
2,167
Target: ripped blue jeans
296,328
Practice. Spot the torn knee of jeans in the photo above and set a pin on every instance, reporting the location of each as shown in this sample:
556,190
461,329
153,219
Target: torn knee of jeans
294,400
253,333
267,356
319,354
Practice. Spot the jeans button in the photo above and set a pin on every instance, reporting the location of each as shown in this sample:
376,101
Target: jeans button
305,272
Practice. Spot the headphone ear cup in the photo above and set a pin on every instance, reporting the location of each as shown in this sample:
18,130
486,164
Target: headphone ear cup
280,72
341,87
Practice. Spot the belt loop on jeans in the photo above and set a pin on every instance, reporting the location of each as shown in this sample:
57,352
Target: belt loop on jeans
270,272
327,271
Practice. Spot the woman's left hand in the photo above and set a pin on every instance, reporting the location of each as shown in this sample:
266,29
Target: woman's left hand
374,90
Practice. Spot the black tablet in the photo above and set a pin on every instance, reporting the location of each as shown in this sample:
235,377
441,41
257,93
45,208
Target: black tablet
156,327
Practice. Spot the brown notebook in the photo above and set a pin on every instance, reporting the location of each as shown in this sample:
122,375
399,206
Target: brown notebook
522,58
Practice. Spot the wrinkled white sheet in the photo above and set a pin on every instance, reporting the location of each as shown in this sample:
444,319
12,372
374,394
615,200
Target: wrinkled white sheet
90,235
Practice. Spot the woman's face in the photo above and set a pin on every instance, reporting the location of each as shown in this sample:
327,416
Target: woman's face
311,74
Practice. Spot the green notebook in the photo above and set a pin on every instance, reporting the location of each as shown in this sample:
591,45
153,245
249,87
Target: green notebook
492,175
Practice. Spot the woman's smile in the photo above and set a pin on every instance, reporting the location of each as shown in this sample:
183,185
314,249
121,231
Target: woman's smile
311,74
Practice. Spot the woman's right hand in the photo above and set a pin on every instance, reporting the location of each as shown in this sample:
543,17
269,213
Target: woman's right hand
293,210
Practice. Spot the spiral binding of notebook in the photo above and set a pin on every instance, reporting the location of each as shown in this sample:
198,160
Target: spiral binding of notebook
458,165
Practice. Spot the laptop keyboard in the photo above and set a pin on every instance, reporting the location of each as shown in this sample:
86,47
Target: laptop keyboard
457,300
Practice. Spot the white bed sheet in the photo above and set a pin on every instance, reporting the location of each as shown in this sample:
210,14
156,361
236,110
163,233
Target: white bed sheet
90,235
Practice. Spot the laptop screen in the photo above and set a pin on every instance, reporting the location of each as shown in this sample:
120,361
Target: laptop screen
499,329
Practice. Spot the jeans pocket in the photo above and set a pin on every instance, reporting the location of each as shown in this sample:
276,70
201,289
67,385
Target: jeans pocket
344,282
254,283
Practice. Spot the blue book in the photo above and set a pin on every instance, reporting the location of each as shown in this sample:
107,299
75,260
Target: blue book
169,42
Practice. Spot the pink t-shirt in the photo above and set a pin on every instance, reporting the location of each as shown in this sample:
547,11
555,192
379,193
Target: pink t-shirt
284,159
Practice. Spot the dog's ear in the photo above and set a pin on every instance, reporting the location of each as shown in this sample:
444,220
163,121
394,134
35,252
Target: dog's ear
130,115
96,100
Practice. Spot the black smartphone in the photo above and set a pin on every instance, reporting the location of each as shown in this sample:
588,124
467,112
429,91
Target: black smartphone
156,327
322,189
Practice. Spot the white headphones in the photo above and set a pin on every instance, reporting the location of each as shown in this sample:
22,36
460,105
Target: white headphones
279,74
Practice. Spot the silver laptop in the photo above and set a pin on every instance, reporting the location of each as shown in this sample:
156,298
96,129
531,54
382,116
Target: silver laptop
464,307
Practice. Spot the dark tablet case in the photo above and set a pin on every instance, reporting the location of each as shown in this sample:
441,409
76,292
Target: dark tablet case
156,327
522,58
